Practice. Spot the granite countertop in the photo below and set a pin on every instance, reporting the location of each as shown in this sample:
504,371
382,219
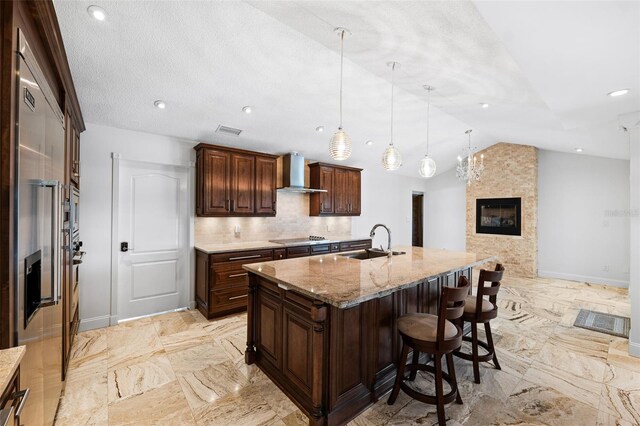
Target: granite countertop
9,362
256,245
344,282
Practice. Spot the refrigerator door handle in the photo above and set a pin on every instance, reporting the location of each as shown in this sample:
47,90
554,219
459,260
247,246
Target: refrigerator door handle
56,206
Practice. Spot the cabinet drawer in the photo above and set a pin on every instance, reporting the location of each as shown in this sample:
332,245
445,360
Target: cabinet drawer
279,254
320,249
242,256
222,300
229,275
355,245
298,251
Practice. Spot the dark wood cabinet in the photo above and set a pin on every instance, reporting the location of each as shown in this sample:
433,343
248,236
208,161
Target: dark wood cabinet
343,190
233,182
266,173
213,182
221,283
243,184
333,363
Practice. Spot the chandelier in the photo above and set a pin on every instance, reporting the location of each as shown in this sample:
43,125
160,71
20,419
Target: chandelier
469,169
340,144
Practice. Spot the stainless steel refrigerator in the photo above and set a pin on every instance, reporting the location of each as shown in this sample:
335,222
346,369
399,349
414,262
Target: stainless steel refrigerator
39,235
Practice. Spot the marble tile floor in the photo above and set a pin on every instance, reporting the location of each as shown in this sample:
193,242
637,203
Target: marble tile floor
181,369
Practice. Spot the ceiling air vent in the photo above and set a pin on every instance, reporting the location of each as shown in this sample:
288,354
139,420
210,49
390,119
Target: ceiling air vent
228,130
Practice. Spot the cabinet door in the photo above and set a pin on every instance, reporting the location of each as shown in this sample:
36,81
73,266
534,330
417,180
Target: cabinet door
341,194
214,182
327,182
354,192
265,185
243,183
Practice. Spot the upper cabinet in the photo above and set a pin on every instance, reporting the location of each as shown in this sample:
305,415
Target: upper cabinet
343,190
233,182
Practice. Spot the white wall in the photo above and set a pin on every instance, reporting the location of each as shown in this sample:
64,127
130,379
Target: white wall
98,142
387,199
634,284
583,221
445,212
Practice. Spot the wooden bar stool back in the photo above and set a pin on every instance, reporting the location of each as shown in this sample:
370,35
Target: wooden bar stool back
436,335
481,309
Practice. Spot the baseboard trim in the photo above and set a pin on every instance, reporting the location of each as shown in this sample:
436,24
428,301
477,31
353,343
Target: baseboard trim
93,323
634,349
583,278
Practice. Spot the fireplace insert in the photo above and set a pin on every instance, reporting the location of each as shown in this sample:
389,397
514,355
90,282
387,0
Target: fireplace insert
500,216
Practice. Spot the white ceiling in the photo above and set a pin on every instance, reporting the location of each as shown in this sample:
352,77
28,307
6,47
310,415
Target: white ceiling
544,67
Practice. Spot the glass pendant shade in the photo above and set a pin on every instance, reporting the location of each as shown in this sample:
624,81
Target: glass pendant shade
340,145
427,167
391,159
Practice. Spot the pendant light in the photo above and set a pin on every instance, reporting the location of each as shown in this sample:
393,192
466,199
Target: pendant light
391,158
340,144
427,165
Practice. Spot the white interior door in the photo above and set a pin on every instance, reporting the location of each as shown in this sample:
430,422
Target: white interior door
153,222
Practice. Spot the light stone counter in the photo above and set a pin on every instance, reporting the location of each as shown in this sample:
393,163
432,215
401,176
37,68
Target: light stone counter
344,282
246,245
9,362
257,245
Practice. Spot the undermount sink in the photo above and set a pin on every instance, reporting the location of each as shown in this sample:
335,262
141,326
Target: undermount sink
370,254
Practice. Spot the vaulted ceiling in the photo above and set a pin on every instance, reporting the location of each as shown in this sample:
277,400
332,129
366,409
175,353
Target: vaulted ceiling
545,69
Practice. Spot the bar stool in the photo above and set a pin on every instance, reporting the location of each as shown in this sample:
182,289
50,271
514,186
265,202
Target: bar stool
436,335
478,310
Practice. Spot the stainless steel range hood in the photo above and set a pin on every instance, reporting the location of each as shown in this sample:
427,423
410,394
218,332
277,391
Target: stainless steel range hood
293,175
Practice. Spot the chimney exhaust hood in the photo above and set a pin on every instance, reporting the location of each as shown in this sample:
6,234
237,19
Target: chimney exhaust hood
293,175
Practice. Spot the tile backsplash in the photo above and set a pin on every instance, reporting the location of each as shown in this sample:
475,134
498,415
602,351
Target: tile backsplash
292,220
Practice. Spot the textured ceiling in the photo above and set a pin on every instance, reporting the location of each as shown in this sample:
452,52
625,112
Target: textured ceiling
545,68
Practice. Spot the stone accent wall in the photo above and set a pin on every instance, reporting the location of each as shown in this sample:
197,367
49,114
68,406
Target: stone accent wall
510,171
292,220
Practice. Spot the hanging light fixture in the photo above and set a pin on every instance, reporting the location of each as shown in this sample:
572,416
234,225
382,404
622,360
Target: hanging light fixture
391,158
340,144
427,165
468,168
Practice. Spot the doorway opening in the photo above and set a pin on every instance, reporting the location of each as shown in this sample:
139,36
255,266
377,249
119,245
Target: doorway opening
417,201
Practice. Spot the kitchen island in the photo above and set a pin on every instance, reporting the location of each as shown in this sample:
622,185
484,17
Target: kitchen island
324,328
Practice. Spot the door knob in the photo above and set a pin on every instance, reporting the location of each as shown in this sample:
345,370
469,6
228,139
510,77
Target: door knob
124,246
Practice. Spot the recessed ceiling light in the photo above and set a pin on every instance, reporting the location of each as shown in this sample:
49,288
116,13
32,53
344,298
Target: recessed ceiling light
160,104
320,129
247,109
369,142
618,92
484,105
97,13
579,149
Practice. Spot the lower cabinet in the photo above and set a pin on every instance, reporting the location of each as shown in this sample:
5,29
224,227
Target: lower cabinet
221,283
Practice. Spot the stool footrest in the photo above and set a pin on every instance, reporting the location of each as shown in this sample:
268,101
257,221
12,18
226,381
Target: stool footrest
429,399
469,357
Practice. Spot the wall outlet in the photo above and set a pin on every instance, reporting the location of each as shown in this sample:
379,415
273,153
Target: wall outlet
605,268
236,231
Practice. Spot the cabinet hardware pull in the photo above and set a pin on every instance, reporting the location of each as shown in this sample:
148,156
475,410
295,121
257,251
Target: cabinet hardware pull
238,275
24,395
238,297
228,202
233,203
253,256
